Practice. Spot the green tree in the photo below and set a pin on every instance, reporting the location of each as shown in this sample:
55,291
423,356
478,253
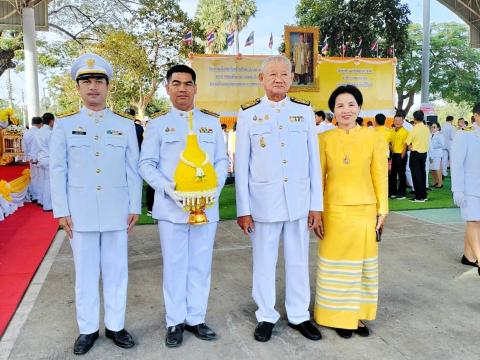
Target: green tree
454,66
223,17
140,50
346,22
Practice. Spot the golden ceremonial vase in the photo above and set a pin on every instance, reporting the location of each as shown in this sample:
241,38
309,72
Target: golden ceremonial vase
195,179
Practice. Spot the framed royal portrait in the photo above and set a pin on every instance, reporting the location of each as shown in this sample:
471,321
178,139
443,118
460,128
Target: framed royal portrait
301,47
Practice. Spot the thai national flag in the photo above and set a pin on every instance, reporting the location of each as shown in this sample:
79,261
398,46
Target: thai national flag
325,46
250,39
374,45
343,49
391,50
270,42
188,37
230,38
210,38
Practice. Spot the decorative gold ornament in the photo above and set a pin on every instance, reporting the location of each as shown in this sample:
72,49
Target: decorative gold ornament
195,179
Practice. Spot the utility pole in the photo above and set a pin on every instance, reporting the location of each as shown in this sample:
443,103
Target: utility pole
31,67
426,52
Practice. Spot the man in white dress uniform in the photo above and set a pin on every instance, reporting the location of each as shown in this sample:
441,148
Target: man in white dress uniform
279,195
465,169
187,250
42,138
96,195
30,150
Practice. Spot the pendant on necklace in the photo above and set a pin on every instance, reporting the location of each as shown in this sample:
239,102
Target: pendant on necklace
346,160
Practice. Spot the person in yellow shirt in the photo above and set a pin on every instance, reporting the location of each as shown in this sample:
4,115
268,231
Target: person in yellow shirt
418,142
387,133
354,169
399,160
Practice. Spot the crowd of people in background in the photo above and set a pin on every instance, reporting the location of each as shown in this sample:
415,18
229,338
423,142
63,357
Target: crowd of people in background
35,145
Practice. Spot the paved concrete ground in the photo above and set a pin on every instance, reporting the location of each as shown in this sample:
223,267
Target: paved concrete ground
425,311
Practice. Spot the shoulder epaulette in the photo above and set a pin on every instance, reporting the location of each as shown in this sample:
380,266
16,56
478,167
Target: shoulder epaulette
124,115
65,114
250,104
208,112
300,101
157,114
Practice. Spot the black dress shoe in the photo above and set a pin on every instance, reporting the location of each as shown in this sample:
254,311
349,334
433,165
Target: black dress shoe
201,331
263,331
465,261
344,333
307,329
120,338
362,331
84,343
174,336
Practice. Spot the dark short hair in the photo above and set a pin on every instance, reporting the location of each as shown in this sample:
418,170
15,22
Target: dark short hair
380,119
476,108
369,123
181,69
36,120
449,118
130,112
418,115
359,120
47,117
320,113
224,126
345,89
466,123
400,113
436,123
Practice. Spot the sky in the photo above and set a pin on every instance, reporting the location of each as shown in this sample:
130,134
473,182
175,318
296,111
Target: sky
271,17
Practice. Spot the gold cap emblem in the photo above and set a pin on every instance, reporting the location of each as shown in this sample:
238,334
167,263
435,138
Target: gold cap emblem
90,63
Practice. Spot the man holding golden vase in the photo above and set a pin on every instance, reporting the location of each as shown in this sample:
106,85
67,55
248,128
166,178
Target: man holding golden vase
184,159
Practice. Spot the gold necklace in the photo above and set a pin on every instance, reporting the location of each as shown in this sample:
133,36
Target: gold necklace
346,156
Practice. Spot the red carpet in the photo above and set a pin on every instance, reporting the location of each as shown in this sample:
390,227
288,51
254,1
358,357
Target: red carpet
9,173
25,237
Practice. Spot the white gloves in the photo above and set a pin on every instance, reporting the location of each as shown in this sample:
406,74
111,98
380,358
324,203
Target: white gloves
459,198
170,191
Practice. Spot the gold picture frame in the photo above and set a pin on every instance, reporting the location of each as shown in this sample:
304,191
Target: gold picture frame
301,47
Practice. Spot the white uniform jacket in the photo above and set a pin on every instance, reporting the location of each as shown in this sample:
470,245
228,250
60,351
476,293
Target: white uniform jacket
448,132
465,162
93,170
164,139
29,144
277,173
437,144
42,140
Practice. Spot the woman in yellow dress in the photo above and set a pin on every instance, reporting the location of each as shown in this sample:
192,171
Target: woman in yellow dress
355,173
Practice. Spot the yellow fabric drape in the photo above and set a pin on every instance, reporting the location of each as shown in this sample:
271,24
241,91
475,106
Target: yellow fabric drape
15,186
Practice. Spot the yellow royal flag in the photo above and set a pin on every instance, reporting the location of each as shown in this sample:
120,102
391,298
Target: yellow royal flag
226,82
374,77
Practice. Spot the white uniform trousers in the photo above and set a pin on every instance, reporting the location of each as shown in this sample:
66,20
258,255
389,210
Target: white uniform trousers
105,253
34,182
445,161
46,191
408,173
187,262
265,241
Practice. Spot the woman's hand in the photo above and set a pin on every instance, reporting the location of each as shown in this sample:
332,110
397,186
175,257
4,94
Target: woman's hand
380,222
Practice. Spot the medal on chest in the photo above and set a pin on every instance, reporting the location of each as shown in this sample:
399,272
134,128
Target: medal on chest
262,142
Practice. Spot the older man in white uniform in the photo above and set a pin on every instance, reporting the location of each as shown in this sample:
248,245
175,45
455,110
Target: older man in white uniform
30,150
279,195
42,138
96,193
465,168
186,249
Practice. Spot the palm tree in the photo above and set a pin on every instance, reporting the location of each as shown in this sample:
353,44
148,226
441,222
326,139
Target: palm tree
223,17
